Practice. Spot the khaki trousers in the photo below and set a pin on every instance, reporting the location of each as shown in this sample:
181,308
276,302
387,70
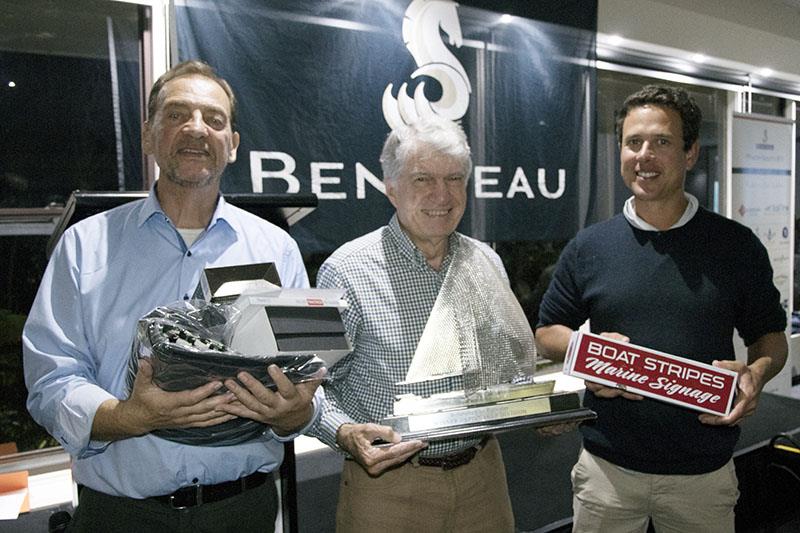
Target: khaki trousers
413,498
610,499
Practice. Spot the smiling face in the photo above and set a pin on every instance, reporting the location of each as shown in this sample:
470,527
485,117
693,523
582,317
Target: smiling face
652,157
430,196
190,135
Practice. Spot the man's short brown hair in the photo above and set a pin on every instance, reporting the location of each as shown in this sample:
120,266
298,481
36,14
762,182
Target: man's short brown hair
189,68
673,98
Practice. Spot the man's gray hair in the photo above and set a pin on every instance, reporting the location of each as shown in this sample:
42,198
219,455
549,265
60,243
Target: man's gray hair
439,136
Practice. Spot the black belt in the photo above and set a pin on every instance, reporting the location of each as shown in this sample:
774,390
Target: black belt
194,495
454,460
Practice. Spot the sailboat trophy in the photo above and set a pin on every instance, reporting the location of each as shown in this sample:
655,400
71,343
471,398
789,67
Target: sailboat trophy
478,335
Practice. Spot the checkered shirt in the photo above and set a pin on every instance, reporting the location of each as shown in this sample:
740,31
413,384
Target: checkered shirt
390,289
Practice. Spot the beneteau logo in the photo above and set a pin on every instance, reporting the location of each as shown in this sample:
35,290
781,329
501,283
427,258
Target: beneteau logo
421,35
424,25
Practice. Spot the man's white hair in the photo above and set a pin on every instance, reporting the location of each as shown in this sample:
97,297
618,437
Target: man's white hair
435,135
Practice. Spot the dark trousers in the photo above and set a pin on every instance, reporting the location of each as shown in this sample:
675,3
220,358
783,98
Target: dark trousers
249,512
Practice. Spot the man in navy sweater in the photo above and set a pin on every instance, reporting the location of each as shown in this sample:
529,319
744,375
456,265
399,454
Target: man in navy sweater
672,276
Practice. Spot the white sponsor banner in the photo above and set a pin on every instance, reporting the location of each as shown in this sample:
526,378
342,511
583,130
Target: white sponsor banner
762,186
761,193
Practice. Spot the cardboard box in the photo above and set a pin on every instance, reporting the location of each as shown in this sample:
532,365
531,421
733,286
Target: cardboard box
14,494
651,373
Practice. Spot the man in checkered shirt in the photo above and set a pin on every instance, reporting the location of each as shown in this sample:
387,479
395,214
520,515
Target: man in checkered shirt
392,278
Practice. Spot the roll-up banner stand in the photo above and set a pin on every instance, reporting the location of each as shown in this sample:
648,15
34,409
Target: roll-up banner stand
762,198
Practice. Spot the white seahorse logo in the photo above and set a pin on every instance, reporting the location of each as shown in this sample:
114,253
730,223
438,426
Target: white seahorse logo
421,24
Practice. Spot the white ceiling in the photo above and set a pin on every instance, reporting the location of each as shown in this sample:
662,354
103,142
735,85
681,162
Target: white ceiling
74,28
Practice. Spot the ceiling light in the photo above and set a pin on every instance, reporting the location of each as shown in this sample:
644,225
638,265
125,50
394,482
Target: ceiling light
12,84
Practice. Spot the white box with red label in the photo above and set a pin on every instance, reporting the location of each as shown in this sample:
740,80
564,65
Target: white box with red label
291,322
269,320
651,373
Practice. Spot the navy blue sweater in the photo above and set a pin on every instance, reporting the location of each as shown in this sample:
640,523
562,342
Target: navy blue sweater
681,291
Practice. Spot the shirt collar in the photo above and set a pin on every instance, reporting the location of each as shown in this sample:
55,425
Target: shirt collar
152,206
629,210
411,252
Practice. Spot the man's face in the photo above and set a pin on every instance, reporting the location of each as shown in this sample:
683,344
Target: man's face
430,196
652,158
190,135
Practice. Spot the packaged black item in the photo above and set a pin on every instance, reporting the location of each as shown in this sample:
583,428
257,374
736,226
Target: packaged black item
183,343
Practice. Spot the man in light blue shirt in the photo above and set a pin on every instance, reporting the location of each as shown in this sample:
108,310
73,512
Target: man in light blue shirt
110,270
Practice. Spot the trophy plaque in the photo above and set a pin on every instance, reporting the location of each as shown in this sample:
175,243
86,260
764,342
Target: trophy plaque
477,335
502,408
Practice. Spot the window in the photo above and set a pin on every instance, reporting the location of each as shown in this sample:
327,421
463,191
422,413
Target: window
702,181
70,100
70,119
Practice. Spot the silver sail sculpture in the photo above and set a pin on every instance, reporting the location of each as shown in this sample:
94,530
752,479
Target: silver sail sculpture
478,330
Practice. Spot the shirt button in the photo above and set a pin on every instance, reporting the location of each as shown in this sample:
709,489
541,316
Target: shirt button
189,253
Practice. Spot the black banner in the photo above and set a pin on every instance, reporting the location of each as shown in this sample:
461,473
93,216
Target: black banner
319,84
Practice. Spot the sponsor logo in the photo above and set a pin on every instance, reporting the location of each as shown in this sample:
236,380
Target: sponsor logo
651,373
423,25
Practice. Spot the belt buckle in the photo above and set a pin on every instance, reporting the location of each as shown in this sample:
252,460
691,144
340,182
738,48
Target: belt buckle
448,464
459,459
196,490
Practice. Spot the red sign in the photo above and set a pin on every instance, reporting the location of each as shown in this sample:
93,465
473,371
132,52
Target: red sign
651,373
315,302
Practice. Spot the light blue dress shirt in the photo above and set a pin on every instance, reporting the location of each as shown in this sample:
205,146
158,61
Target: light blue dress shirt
106,272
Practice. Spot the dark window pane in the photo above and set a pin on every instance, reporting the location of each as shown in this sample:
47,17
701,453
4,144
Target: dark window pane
69,117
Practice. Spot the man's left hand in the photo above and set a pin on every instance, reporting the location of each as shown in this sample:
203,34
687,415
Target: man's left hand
748,389
287,409
765,358
554,430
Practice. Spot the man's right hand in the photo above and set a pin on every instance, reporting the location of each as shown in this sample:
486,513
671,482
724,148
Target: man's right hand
602,391
149,407
358,439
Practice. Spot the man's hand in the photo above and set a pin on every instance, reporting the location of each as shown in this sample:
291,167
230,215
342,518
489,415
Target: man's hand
149,407
765,358
286,409
602,391
357,439
748,389
554,430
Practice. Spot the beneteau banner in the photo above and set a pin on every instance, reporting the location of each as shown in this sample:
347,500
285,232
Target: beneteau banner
321,84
